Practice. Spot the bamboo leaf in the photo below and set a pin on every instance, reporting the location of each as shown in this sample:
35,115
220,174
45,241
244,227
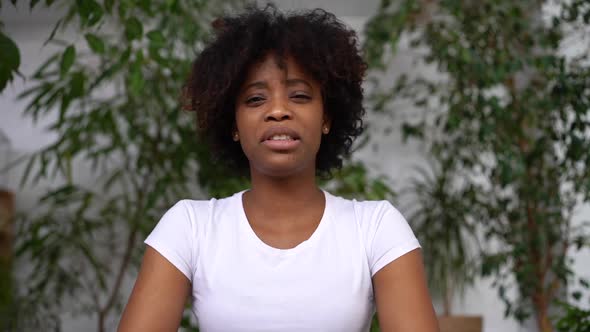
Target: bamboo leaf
27,172
67,60
40,72
77,85
52,34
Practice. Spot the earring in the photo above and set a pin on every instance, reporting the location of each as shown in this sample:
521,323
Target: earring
326,130
236,137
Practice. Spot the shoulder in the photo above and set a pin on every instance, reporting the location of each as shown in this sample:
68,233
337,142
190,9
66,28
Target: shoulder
204,206
384,231
198,213
365,212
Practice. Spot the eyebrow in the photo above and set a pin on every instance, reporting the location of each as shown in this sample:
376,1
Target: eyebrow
264,85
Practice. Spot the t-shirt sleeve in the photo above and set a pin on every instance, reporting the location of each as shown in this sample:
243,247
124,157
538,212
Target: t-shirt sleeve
391,236
174,238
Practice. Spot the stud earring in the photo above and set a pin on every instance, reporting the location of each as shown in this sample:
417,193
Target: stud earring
326,130
236,137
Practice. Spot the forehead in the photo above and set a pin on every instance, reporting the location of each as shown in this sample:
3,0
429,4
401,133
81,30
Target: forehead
271,65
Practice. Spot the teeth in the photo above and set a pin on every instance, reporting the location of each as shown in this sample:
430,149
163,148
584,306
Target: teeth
281,138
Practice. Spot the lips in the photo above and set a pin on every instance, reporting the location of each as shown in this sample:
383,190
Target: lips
280,139
280,133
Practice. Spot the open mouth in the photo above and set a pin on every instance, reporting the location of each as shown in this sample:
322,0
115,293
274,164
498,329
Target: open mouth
279,134
281,138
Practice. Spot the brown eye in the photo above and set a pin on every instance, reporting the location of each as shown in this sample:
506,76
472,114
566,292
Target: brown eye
254,101
300,97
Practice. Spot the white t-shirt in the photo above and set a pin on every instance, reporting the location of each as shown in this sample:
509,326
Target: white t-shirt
240,284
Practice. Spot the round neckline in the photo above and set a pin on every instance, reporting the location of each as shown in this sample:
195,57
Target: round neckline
277,251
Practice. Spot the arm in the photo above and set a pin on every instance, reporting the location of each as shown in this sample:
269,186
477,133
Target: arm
401,294
158,297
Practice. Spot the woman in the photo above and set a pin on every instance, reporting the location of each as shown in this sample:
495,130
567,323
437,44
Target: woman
280,97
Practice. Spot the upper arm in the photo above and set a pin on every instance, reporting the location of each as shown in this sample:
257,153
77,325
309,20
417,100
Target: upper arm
160,292
158,297
401,295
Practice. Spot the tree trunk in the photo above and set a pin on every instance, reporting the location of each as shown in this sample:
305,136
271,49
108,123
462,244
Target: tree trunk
543,319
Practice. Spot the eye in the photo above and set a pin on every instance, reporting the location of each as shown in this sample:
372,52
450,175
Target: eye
300,97
255,100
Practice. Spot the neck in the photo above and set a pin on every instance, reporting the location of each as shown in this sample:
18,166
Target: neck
284,196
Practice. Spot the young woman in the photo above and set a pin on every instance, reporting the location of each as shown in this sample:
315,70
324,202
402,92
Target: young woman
279,96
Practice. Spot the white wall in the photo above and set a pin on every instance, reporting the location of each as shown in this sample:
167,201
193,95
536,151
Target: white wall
393,158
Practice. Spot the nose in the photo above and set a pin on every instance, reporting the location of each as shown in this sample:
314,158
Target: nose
278,112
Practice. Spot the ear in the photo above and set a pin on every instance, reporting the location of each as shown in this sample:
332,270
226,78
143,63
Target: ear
235,134
326,125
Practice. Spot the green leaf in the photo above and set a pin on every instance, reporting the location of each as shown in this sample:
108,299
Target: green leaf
90,12
133,28
67,60
9,60
577,295
66,100
95,43
27,172
136,81
77,85
52,34
156,38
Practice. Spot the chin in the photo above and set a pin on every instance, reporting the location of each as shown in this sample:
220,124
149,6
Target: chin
281,168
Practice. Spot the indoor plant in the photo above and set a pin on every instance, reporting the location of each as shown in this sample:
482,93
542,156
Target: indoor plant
511,109
115,87
440,218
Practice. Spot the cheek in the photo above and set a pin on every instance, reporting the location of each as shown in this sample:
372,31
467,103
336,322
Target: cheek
315,130
241,123
246,130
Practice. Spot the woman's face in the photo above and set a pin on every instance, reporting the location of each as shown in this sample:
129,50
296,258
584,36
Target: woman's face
280,118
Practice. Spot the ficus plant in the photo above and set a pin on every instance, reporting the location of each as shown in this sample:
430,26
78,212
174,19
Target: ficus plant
125,152
576,315
510,107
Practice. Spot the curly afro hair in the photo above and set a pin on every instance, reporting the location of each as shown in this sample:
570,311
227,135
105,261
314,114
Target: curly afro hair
315,39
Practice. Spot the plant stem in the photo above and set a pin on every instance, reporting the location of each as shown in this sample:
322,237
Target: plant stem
102,314
448,297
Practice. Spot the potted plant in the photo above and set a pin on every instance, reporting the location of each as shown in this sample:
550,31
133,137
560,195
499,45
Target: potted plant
115,83
508,102
439,218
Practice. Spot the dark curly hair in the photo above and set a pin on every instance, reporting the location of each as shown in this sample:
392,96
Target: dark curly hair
315,39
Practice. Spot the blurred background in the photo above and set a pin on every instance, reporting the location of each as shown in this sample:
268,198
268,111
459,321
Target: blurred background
478,130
